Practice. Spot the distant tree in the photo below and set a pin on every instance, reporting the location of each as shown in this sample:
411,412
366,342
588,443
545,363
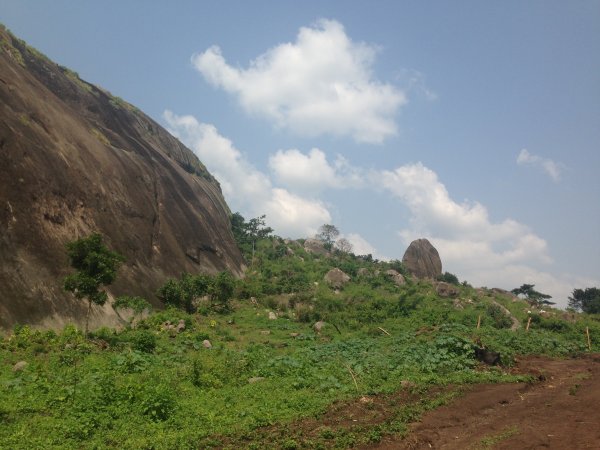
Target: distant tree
96,266
449,278
247,233
586,300
328,234
534,297
343,245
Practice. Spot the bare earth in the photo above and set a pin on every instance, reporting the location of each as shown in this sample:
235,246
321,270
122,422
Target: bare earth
562,411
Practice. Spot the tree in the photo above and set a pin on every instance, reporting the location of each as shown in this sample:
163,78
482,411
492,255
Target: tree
343,245
586,300
328,234
534,297
96,266
449,278
247,233
137,304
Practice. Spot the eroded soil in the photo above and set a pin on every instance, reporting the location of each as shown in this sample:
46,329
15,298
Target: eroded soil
561,411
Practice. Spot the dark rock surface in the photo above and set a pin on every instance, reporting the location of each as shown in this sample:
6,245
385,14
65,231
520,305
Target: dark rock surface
422,260
75,160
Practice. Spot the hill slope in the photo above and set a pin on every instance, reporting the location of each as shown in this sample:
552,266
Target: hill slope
74,159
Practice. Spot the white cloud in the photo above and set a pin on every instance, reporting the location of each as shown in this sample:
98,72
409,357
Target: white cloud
312,172
553,169
504,254
245,188
360,246
321,84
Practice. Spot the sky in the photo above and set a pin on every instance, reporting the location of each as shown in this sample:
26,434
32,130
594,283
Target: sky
473,124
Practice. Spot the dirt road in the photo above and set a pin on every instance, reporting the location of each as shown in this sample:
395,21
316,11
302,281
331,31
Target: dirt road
560,412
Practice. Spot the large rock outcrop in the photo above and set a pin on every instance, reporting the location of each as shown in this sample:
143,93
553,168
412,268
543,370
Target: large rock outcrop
422,260
74,160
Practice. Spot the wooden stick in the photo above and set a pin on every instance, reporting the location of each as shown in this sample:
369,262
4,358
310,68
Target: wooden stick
528,323
353,378
479,321
384,331
587,331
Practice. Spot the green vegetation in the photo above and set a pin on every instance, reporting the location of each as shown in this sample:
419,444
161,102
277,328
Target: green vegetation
96,266
244,363
586,300
491,441
534,297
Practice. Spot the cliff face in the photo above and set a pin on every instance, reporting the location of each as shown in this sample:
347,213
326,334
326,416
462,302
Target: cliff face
74,160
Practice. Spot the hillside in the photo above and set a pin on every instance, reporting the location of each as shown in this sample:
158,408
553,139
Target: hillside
296,362
75,160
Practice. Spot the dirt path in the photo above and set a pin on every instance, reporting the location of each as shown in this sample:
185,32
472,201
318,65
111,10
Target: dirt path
560,412
516,323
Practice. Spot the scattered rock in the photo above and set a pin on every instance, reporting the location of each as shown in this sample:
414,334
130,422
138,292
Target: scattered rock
180,326
272,315
206,343
422,260
444,289
363,272
315,247
294,335
289,251
336,278
265,332
396,277
18,367
318,326
457,304
255,379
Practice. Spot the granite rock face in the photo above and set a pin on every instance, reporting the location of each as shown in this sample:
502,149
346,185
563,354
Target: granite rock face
422,260
75,160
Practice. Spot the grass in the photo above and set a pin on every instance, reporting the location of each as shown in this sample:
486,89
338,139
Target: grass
490,441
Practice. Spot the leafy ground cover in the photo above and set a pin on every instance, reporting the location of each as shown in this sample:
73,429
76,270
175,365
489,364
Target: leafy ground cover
153,387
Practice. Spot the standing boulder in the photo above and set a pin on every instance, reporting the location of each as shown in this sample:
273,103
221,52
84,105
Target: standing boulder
422,260
336,278
316,247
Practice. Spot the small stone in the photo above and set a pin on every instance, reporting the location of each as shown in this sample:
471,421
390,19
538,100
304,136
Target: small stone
255,379
406,384
318,326
294,335
265,332
18,367
180,326
206,343
272,315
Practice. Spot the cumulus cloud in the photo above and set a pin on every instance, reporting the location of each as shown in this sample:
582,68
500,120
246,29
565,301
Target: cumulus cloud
484,252
502,254
245,188
312,171
321,84
360,246
553,169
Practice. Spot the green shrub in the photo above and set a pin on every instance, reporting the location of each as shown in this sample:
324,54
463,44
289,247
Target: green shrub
143,341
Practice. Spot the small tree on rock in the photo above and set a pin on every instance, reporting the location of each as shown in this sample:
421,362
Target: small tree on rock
328,234
96,266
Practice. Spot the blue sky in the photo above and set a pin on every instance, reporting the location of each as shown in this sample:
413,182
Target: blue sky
474,124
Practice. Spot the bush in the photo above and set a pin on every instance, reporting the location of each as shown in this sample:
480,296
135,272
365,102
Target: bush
143,341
